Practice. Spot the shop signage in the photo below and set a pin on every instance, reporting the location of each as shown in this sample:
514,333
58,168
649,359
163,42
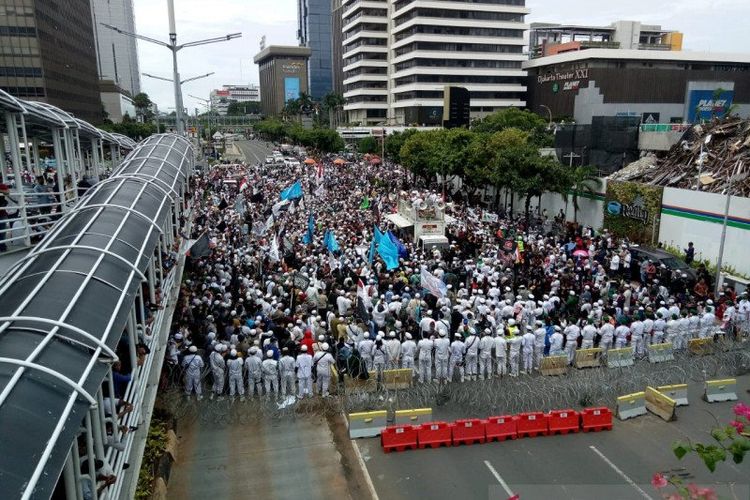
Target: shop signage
561,76
635,210
430,229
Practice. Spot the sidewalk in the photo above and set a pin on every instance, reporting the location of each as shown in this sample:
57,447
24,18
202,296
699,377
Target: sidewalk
289,458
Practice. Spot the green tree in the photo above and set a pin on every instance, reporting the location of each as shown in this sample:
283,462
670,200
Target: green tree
395,141
134,130
582,180
142,104
243,108
520,119
420,153
536,175
333,102
368,145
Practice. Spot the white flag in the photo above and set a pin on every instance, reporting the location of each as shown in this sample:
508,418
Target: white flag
273,253
432,284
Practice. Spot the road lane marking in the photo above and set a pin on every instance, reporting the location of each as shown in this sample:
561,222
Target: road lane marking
499,478
620,473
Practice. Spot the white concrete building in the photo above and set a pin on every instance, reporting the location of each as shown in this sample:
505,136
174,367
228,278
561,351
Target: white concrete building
116,56
227,94
400,54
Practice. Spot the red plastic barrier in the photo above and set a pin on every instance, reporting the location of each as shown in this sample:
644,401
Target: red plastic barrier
398,438
501,428
596,419
532,424
468,431
434,434
563,421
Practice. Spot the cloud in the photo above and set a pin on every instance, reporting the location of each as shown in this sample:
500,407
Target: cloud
231,61
708,25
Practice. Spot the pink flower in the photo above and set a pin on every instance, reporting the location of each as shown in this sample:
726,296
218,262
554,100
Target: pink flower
659,481
707,494
742,410
737,425
693,489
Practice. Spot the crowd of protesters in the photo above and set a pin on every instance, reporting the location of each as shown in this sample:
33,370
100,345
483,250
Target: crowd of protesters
281,288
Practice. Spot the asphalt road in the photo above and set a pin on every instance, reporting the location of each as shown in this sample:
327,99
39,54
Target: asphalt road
614,465
254,151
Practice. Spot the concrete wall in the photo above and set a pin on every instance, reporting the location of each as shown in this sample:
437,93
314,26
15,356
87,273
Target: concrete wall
590,102
590,207
695,216
658,141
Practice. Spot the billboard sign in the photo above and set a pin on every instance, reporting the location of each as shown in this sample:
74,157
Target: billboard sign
291,88
708,104
632,210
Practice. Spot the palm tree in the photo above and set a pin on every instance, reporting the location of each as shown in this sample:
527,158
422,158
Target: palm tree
305,102
292,108
583,180
333,101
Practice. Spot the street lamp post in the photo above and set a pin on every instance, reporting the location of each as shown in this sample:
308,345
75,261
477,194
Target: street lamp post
549,111
733,177
172,45
179,119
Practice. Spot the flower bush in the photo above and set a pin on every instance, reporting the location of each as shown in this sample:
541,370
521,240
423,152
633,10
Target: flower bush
730,439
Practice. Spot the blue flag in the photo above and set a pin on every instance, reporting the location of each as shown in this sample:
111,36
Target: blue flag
371,253
292,192
329,240
377,235
402,251
389,253
308,237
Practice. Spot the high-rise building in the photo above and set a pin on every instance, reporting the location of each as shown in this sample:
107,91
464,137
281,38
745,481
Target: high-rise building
399,55
227,94
365,56
116,56
337,63
283,76
314,32
48,54
548,39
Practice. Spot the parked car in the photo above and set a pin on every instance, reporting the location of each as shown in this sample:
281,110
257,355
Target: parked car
674,264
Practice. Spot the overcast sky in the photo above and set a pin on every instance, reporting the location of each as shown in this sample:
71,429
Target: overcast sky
711,25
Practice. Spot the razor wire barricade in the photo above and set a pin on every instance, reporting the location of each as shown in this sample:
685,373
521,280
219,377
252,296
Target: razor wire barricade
507,395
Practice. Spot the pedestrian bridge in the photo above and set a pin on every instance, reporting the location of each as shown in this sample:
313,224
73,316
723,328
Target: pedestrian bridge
84,318
69,154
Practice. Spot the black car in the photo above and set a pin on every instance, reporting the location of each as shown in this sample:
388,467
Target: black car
659,257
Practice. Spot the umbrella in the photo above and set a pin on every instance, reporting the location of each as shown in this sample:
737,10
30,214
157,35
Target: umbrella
581,253
310,161
339,161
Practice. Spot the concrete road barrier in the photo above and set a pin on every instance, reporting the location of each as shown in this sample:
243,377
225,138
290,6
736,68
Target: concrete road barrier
554,365
367,424
678,392
658,353
398,379
618,358
631,405
413,417
660,404
588,358
721,390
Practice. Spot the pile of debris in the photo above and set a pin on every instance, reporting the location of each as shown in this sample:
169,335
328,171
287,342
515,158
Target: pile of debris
705,159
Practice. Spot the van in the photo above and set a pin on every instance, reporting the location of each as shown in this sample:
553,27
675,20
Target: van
428,242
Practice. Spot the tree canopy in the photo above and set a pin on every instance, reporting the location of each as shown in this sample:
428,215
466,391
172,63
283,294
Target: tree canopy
243,108
323,140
